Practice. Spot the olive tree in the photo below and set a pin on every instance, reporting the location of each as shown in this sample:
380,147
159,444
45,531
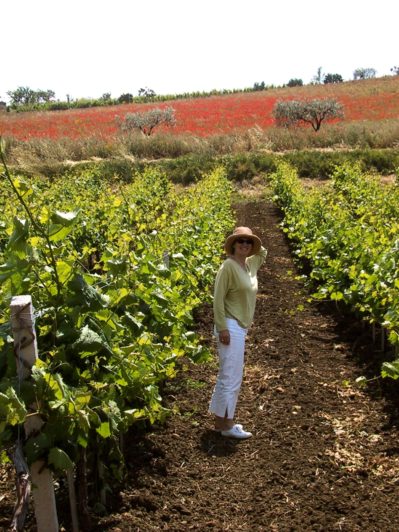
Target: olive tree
147,121
364,73
146,92
293,112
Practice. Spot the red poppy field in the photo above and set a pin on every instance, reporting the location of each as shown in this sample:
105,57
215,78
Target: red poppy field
368,100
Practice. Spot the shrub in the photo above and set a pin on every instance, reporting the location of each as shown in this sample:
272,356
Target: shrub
295,82
188,169
125,98
312,164
333,78
382,161
317,164
240,167
156,146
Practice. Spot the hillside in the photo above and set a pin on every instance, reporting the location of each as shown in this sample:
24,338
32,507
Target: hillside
366,100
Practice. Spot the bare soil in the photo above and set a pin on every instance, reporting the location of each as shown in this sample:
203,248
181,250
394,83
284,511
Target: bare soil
324,455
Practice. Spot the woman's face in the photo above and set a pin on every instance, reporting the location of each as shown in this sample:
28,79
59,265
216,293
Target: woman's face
242,247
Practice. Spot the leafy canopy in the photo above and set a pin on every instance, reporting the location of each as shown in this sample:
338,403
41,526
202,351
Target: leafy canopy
314,112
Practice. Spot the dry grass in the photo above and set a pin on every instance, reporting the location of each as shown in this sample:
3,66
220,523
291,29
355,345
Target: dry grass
37,152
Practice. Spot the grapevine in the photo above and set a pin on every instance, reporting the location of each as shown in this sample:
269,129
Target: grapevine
347,233
115,271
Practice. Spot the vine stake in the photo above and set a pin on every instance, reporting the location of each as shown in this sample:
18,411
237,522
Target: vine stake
22,325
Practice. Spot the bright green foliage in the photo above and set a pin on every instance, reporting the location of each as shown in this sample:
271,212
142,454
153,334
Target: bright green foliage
115,272
347,232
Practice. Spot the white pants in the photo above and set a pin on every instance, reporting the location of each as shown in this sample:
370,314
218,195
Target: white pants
231,368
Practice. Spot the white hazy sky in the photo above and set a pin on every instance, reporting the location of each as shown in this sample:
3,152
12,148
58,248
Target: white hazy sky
86,48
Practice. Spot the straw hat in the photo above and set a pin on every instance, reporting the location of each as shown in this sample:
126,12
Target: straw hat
242,232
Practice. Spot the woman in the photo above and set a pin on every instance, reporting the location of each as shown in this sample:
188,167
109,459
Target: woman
235,290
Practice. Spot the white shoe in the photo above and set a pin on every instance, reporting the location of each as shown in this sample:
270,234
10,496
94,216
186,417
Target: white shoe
237,432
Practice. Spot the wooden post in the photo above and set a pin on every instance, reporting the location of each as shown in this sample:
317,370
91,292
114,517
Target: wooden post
72,500
166,258
25,346
373,332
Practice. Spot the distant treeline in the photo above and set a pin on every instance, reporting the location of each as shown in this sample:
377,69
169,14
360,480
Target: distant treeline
26,99
106,100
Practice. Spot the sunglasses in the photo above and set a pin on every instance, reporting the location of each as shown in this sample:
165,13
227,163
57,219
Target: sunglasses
244,241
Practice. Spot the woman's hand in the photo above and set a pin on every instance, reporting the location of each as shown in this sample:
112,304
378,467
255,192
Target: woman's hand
224,337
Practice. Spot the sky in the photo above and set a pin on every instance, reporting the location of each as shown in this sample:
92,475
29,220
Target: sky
86,48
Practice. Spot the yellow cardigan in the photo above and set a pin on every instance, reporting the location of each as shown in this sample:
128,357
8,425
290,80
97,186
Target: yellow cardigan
235,291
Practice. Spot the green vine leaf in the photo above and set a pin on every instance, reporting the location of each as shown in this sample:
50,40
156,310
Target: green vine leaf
18,241
59,459
390,369
104,430
12,410
90,342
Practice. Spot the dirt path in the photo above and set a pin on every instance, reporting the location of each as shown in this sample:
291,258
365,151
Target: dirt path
324,456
